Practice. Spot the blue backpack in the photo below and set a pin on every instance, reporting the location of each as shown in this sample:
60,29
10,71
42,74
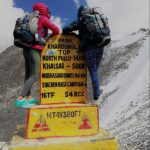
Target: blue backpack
96,26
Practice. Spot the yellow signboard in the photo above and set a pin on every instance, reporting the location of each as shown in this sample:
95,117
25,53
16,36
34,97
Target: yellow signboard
63,71
62,121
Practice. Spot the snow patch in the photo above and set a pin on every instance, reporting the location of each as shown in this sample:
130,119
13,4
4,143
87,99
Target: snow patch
129,82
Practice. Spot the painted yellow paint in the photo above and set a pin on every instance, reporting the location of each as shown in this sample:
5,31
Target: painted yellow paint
62,121
63,71
101,141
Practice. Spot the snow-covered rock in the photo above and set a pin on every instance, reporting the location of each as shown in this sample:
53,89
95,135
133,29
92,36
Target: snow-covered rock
125,109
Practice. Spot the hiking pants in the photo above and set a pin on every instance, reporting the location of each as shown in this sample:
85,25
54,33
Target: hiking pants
93,58
32,70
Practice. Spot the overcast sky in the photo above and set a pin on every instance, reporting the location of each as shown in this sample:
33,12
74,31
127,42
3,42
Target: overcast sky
125,16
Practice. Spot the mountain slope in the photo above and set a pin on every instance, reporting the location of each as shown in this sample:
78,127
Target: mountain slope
125,109
11,79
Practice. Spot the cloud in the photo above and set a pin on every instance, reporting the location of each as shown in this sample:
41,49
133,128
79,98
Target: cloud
58,22
77,3
8,16
125,16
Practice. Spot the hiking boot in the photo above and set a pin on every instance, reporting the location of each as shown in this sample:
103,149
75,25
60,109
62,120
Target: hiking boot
96,98
23,103
32,100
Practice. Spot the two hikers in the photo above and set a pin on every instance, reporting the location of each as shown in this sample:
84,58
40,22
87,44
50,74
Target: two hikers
32,56
94,34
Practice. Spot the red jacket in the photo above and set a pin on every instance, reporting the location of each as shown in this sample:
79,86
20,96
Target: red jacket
44,22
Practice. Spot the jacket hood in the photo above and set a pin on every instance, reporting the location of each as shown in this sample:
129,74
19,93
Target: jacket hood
42,8
80,9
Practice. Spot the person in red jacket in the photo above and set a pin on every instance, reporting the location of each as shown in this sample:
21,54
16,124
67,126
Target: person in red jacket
32,56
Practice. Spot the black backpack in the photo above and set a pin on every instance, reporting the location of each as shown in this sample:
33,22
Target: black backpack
97,27
25,32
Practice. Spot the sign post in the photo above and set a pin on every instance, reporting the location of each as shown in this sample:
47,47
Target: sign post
63,120
69,120
63,71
